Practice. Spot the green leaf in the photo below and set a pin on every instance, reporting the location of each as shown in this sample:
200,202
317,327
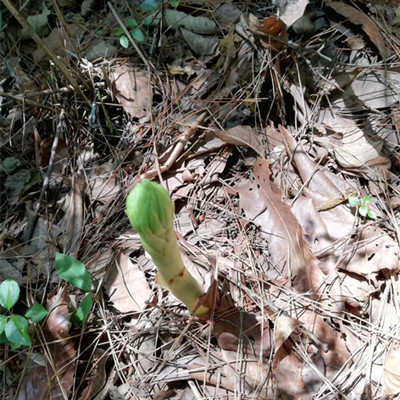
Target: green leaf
36,313
17,330
146,21
174,3
363,210
367,200
138,35
124,42
73,271
149,5
371,214
119,31
3,322
132,23
354,201
39,23
3,338
10,164
9,293
84,308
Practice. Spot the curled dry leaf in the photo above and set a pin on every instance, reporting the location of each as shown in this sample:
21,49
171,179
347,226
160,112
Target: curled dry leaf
243,135
358,17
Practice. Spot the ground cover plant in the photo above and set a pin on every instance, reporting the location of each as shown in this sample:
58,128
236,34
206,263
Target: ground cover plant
249,148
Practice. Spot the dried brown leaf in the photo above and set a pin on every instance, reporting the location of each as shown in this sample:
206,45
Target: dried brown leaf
133,90
261,199
127,286
358,17
370,252
391,379
243,135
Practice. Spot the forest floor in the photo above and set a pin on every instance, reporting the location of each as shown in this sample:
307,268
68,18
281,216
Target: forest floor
275,127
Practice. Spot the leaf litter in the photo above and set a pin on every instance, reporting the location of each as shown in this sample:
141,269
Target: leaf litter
262,121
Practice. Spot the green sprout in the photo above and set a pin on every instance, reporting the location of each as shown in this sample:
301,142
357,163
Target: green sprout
362,206
151,213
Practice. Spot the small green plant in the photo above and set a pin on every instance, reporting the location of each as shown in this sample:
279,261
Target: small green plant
151,212
14,328
362,206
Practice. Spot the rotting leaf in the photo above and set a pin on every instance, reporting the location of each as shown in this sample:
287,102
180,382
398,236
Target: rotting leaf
357,17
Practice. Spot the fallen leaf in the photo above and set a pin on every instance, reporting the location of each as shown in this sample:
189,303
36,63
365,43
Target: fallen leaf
373,250
262,201
372,89
391,378
126,285
201,45
133,90
358,17
243,135
201,25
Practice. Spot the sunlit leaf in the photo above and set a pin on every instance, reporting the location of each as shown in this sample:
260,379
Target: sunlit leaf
9,293
354,201
73,271
366,200
36,313
371,214
124,42
363,210
17,330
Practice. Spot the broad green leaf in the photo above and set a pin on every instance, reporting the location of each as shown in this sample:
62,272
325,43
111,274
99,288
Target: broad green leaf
354,201
119,31
138,35
124,42
149,5
10,164
9,293
39,23
73,271
367,200
36,313
371,214
3,322
363,210
17,330
174,3
132,23
84,308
